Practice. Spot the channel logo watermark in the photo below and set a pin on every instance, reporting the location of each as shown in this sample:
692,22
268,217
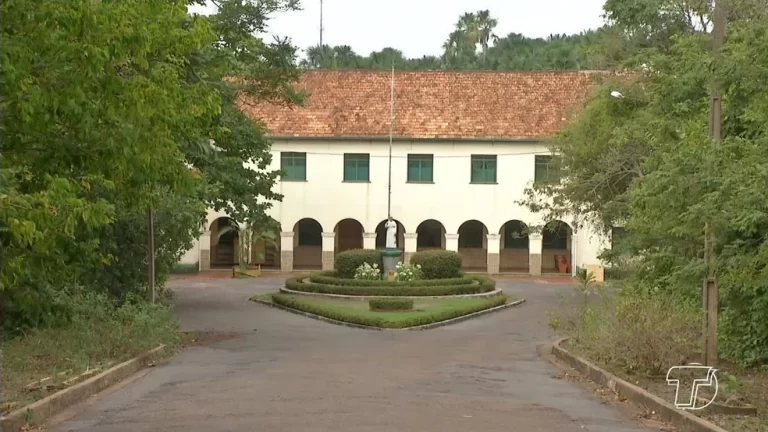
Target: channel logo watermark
688,380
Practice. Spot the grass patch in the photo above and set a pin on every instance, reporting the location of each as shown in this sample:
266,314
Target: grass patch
97,336
425,311
638,338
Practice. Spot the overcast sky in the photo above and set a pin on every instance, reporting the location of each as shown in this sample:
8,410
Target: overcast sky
419,27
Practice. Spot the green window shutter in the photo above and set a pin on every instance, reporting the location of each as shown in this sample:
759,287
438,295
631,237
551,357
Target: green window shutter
357,167
544,169
483,169
294,166
420,168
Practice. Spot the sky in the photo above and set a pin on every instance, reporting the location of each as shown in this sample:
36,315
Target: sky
420,27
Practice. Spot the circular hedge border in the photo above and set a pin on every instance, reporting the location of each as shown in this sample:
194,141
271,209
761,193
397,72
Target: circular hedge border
474,284
332,278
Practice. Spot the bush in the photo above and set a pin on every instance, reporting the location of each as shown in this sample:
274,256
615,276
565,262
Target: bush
368,272
390,304
474,284
332,278
347,262
185,268
645,334
408,272
380,321
438,264
98,330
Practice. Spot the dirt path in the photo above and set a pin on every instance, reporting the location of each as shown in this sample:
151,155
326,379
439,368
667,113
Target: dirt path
284,372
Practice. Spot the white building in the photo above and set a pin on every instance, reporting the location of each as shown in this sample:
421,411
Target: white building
465,146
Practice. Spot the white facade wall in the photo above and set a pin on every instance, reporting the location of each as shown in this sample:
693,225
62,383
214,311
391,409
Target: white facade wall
451,199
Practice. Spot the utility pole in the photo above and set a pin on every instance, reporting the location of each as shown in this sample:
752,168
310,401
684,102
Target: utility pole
151,252
710,291
321,25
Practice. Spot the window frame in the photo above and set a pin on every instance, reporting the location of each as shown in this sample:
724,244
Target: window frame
545,162
357,158
292,157
480,159
422,159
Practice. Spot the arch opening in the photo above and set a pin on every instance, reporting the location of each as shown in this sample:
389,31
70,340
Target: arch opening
349,235
308,244
473,245
381,235
514,251
224,242
430,235
556,247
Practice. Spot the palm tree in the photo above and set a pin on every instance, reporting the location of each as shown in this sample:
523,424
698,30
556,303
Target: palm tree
485,25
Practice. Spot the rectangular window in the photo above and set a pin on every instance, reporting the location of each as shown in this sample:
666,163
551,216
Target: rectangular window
420,168
617,235
357,167
544,169
294,166
483,169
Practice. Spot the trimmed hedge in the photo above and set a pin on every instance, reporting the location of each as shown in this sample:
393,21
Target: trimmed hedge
483,284
332,278
185,268
375,321
438,264
347,262
390,304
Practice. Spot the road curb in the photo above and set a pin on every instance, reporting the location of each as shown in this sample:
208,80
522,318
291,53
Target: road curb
40,411
683,420
415,328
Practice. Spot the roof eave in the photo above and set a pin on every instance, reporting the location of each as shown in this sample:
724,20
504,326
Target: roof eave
404,139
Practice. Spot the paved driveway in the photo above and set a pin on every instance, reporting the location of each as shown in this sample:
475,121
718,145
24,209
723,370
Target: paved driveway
284,372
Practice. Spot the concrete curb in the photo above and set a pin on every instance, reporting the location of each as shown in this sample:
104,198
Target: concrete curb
415,328
683,420
489,294
40,411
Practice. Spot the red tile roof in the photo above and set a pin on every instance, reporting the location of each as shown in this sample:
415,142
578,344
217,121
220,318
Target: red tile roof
440,104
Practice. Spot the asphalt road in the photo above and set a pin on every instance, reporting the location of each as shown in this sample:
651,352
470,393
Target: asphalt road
284,372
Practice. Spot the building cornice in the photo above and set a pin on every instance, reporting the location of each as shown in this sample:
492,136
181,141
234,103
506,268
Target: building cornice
384,139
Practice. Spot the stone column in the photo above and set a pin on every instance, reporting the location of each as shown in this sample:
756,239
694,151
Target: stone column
494,241
205,251
329,243
534,254
452,242
369,240
410,246
286,251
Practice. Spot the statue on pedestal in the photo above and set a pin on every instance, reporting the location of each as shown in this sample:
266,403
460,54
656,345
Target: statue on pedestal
391,226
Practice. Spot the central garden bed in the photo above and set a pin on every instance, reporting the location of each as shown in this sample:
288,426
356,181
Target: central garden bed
430,289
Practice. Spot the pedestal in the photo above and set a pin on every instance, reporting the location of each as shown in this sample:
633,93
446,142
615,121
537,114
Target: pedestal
390,258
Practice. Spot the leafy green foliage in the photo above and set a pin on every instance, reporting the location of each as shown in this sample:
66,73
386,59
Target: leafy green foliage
391,304
438,264
645,162
110,108
346,263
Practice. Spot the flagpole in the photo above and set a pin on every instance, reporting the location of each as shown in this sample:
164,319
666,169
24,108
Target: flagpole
391,123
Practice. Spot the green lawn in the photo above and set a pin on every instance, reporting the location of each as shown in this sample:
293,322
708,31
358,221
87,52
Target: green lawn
355,311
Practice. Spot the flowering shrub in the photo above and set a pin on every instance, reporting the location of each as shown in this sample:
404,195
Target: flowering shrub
408,272
368,272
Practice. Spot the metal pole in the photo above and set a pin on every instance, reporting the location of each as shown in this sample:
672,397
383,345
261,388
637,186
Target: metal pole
151,252
391,123
321,26
710,294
